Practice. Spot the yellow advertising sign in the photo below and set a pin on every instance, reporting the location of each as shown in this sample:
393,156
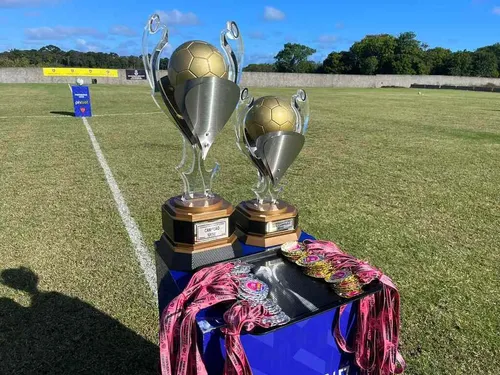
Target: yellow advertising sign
79,72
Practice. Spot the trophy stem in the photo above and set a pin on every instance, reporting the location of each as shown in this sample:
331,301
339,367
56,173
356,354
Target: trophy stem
265,191
196,178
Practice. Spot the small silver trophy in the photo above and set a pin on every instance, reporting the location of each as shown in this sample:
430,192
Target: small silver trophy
270,132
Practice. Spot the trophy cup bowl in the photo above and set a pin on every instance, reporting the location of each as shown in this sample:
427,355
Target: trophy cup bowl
199,95
270,132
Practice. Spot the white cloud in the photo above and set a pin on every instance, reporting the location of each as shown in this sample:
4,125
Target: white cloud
273,14
85,46
60,32
24,3
328,39
496,10
122,30
176,17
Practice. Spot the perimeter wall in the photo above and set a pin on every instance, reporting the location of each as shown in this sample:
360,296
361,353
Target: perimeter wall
253,79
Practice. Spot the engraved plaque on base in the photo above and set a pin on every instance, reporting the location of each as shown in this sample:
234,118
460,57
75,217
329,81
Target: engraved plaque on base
272,227
199,94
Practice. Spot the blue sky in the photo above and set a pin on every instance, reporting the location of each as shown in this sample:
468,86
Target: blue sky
266,25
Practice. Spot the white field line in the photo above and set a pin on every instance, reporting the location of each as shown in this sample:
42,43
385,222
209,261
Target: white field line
127,114
141,251
103,115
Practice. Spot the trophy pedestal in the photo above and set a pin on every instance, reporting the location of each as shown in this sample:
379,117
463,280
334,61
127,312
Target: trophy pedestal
196,232
267,225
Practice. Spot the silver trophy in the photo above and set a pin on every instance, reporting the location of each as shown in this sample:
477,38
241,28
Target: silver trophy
199,94
270,132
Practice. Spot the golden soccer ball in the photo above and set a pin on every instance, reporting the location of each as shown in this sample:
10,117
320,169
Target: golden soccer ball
195,59
269,114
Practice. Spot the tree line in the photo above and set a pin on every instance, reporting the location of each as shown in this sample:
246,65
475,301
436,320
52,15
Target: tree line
53,56
374,54
387,54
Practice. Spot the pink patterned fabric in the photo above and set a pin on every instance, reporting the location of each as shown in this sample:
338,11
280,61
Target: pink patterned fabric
375,346
179,352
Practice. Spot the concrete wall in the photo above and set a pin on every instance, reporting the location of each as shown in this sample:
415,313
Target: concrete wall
251,79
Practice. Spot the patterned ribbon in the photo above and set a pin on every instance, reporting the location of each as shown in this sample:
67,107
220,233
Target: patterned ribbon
226,282
376,341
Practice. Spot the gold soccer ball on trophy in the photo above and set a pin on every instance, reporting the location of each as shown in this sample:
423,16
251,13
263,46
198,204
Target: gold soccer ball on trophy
195,59
269,114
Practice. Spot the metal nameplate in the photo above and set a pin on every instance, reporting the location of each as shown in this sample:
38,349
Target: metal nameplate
280,226
211,230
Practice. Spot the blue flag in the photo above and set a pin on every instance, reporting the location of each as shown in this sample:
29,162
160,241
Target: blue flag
81,101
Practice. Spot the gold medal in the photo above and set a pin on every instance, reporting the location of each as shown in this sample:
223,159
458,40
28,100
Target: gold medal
293,250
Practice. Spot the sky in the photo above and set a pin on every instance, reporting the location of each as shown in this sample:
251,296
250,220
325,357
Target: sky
116,26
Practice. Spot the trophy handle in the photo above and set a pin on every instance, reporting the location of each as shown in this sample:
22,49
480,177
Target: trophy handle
244,105
300,105
234,60
152,61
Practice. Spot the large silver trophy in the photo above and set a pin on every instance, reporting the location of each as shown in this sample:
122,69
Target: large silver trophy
270,132
199,95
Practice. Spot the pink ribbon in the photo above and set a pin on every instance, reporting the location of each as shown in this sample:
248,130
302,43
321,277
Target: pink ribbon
376,341
179,352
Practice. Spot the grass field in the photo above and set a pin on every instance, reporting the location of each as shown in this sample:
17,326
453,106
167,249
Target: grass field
408,182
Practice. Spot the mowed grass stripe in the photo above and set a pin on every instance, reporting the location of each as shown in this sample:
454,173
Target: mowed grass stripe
408,182
93,312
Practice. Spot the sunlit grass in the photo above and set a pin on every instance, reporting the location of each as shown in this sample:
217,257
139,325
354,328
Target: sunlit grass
408,182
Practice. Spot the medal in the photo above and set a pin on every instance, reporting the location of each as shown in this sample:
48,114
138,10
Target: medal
253,289
338,276
320,273
309,260
293,250
241,269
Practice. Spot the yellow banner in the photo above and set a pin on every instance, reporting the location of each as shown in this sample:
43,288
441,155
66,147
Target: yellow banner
79,72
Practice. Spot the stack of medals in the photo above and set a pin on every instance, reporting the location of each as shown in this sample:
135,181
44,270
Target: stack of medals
293,250
343,282
256,292
315,266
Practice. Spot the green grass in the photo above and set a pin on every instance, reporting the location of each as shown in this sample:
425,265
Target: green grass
409,182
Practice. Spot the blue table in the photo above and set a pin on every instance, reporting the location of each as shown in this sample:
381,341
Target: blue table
305,347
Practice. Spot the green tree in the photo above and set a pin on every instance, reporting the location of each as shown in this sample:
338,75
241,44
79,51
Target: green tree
461,64
438,60
292,58
409,55
164,63
382,47
337,63
259,68
495,49
308,67
484,64
369,65
5,62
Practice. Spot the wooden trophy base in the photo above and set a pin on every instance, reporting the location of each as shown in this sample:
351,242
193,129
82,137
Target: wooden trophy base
196,232
267,225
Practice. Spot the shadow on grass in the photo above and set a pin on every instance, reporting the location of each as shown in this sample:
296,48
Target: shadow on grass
63,113
58,334
473,135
